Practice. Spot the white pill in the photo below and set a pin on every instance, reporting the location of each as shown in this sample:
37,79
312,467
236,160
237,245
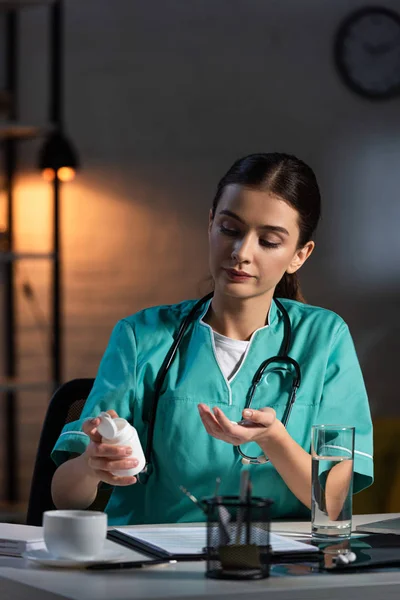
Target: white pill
342,558
351,556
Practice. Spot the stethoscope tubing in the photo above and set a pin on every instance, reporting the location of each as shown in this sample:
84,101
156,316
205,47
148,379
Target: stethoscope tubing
283,357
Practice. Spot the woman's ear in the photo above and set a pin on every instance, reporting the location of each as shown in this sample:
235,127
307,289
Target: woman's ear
300,257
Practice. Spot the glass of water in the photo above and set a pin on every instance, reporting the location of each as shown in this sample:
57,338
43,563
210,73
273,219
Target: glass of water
332,452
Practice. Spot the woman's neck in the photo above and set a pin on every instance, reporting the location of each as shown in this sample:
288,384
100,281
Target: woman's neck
238,318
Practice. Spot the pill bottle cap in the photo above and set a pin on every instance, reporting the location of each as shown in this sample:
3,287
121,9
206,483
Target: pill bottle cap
107,427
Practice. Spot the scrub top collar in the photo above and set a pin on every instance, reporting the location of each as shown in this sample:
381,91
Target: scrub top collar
271,319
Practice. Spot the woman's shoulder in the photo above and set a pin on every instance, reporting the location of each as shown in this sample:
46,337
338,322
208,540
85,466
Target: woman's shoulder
165,316
309,314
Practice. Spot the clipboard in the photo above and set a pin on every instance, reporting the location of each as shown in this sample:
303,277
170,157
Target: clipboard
151,550
157,552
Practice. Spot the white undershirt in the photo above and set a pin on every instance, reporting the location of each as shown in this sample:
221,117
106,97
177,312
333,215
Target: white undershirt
229,353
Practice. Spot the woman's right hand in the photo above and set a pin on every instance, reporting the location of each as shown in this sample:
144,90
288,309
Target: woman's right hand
102,459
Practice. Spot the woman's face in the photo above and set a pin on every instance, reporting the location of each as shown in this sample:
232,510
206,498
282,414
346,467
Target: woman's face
253,241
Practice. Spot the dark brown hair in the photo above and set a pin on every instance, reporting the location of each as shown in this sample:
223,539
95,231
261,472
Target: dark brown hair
293,181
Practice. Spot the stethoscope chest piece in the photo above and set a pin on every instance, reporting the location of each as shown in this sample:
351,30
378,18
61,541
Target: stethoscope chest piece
259,460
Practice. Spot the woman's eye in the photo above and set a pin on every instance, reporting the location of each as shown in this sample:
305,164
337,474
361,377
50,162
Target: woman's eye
227,230
268,244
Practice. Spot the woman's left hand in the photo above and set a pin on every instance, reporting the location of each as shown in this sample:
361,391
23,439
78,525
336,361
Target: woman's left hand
255,427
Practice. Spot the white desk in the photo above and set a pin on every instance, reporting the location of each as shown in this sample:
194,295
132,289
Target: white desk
20,580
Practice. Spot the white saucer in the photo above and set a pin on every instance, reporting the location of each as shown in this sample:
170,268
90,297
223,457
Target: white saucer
43,557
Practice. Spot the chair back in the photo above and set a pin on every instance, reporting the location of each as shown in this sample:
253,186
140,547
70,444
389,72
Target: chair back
65,406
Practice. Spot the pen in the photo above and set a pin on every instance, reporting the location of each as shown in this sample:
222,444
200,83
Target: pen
129,565
191,497
224,517
146,548
243,494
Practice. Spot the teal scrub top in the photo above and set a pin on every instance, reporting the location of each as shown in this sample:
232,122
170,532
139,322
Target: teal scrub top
332,391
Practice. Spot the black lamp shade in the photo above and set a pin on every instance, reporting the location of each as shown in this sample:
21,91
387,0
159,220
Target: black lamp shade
57,152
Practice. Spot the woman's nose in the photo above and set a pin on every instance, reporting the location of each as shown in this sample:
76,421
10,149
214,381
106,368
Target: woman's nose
242,251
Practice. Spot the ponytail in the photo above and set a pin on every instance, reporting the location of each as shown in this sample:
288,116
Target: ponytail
289,287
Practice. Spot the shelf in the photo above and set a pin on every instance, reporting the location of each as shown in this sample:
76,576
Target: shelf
15,128
15,384
13,513
16,4
5,101
18,131
11,256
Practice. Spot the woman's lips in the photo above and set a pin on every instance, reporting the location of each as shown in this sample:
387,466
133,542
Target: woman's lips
238,275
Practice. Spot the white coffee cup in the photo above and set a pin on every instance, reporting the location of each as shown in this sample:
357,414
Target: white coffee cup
74,534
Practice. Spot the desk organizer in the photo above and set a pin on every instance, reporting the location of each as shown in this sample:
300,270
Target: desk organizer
238,533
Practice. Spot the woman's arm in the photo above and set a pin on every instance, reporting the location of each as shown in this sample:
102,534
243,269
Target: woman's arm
74,484
76,481
291,461
261,426
293,464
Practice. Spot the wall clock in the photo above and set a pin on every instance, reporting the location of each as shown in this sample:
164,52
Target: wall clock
367,52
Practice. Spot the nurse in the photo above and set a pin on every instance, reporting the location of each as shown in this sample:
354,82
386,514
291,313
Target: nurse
261,225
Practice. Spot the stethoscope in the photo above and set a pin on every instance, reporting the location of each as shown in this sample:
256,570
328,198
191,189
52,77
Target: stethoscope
281,358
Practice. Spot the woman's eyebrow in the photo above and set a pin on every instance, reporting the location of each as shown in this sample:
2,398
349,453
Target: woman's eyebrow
276,228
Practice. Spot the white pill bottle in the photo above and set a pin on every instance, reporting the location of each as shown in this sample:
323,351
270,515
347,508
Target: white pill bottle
121,433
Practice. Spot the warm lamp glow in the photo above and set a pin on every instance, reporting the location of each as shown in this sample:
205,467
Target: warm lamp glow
64,174
3,212
32,218
48,174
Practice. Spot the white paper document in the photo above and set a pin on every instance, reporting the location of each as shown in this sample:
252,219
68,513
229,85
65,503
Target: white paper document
192,540
16,539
